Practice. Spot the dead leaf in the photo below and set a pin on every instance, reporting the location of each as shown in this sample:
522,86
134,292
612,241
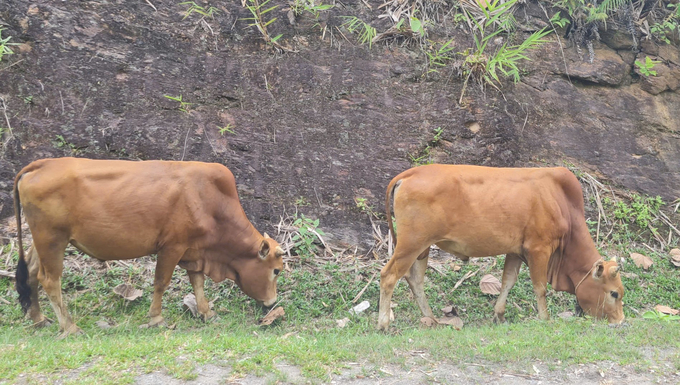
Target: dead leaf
629,275
127,291
454,321
675,257
342,322
490,285
566,314
272,316
103,324
455,266
666,310
190,302
640,260
428,322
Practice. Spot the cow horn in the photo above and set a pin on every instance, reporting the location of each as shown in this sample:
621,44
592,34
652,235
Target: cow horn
279,251
267,236
614,270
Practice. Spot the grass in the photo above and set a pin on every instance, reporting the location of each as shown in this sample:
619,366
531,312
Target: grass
315,292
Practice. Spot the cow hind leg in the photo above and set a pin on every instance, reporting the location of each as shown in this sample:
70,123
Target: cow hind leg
33,262
50,267
510,272
400,263
416,281
165,265
197,280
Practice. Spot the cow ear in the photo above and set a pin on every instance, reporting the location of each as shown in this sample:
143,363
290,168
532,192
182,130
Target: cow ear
264,249
598,269
614,271
266,236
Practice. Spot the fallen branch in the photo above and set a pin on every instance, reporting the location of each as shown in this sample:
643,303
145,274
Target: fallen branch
5,273
364,289
466,276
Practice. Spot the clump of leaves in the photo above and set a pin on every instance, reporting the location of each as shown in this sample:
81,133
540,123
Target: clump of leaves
646,67
659,316
358,27
5,45
306,236
668,25
483,66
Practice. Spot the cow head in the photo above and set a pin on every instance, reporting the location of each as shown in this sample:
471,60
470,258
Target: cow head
257,277
600,294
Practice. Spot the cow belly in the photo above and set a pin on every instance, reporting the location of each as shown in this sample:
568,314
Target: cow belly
108,248
480,247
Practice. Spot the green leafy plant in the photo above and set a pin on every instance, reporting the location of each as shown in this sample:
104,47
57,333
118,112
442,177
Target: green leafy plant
484,67
301,6
364,207
437,57
228,128
558,20
356,26
195,8
306,236
668,25
183,106
5,45
259,10
61,142
659,316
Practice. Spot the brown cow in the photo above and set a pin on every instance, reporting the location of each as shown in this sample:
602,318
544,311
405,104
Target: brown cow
533,215
186,212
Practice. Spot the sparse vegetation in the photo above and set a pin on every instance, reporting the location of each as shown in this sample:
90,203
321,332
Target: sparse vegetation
309,6
226,129
195,8
364,30
259,12
183,106
5,45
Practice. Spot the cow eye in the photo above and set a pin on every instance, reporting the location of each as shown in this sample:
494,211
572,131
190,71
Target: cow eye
276,271
614,294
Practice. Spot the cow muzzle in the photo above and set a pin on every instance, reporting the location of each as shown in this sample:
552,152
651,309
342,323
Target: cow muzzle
269,303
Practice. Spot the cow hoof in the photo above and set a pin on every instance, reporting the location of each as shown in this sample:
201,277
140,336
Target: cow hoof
499,319
71,330
156,321
206,317
42,323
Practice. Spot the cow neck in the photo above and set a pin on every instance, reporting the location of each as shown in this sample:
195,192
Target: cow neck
577,256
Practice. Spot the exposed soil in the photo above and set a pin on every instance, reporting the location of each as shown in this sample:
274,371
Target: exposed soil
320,125
421,370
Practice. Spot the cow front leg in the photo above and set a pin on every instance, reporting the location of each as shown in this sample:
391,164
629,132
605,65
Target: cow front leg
34,312
510,272
401,261
538,270
197,280
416,281
165,265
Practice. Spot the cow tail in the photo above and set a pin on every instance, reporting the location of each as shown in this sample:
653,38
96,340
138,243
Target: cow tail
388,208
21,284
